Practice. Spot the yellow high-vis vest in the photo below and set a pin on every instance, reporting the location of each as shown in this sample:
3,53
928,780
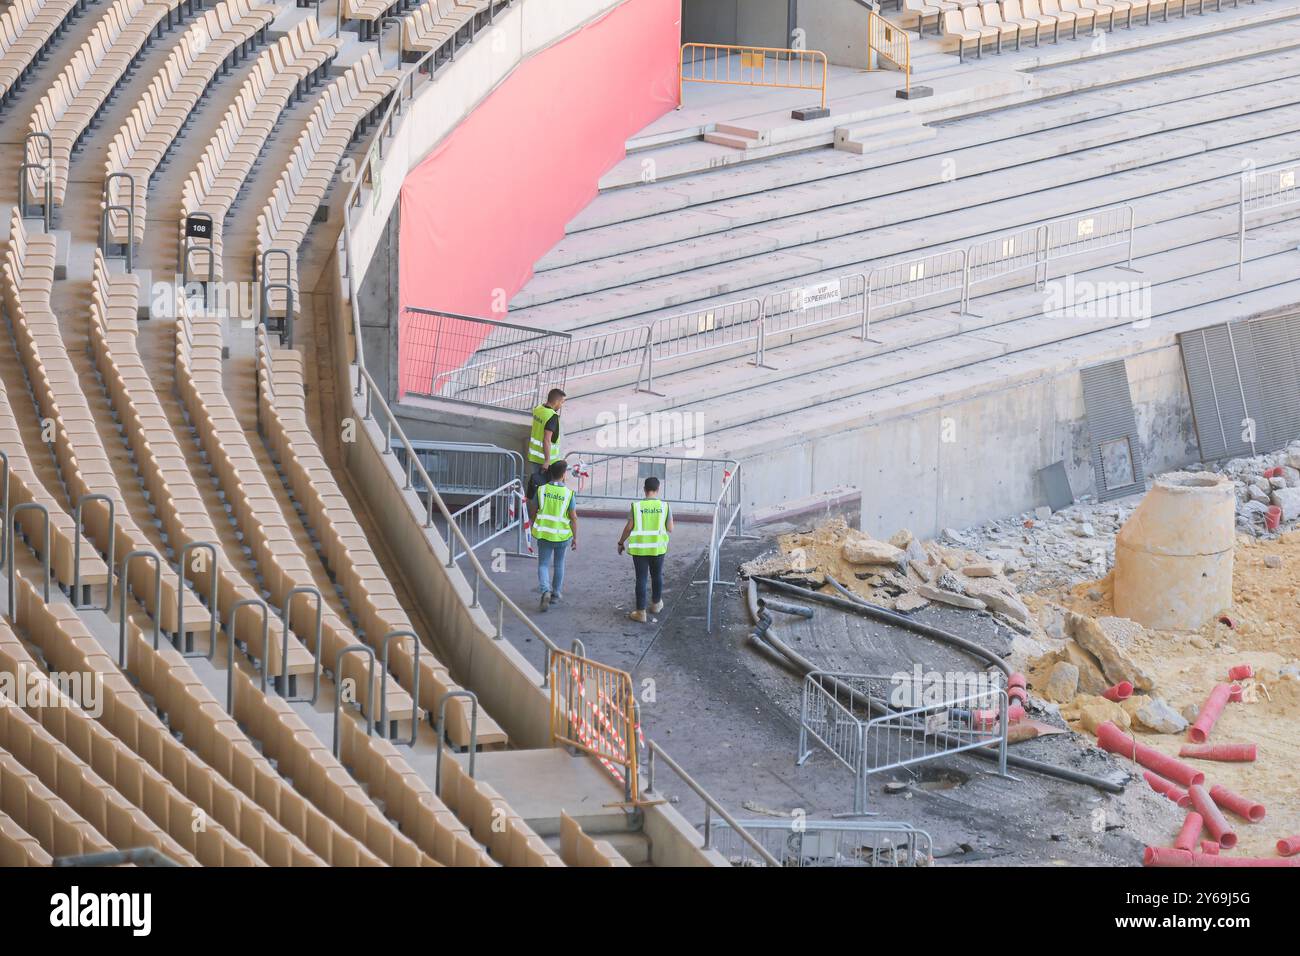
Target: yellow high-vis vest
552,522
649,527
542,414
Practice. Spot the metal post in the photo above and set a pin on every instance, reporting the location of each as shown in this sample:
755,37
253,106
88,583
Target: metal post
11,522
124,586
76,549
415,689
4,507
214,623
285,617
230,656
338,696
442,723
1241,230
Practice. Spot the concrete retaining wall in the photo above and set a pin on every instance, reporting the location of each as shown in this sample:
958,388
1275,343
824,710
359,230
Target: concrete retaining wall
975,456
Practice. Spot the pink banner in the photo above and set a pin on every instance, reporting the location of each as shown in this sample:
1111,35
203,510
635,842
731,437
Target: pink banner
496,194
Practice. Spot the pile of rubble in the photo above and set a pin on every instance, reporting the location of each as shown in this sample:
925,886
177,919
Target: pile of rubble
902,574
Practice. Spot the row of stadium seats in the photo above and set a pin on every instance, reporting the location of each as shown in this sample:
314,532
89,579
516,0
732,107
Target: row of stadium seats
283,73
83,462
987,22
27,29
232,816
162,462
25,486
219,39
369,13
438,22
343,546
344,112
66,111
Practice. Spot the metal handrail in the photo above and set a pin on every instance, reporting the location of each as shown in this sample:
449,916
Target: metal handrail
285,618
743,73
11,524
338,696
77,524
213,585
711,806
230,656
124,587
415,689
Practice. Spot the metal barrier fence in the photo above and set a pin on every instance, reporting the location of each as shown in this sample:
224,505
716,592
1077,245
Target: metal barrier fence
1260,192
705,485
826,843
488,518
835,711
942,273
752,66
462,468
890,42
593,709
702,330
482,361
809,306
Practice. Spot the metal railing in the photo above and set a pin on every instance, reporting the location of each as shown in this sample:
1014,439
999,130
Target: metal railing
488,518
890,42
512,375
481,361
463,468
706,485
826,843
711,806
834,712
772,67
1260,192
593,708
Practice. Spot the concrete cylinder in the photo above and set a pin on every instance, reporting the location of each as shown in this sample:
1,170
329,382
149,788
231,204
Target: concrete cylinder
1173,557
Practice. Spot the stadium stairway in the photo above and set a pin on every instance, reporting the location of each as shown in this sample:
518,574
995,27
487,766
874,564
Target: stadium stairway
172,411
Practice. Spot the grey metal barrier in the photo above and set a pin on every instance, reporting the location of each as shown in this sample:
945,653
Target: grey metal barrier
1261,192
213,577
124,589
826,843
11,525
923,723
461,468
1003,255
603,352
415,684
488,518
77,524
256,602
36,173
914,280
338,692
286,616
466,358
822,303
109,206
702,330
707,486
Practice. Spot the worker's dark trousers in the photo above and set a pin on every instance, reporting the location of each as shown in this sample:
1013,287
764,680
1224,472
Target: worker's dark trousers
649,570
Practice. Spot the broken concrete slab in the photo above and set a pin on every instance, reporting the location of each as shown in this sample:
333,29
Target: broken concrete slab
1116,663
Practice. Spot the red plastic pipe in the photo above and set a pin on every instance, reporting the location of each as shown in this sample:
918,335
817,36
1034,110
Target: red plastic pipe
1015,714
1289,846
1172,856
1121,691
1236,693
1017,693
1166,856
1190,832
1214,705
1210,847
1016,680
1214,819
1231,753
1243,807
1241,672
1167,789
1110,737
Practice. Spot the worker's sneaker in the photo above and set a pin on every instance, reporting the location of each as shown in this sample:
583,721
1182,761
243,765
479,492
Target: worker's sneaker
638,616
556,597
656,607
546,601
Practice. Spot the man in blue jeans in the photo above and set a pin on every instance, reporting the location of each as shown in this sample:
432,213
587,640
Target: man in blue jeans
555,526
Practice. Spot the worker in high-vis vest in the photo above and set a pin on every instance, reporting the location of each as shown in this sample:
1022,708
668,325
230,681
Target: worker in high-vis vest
544,439
555,527
645,537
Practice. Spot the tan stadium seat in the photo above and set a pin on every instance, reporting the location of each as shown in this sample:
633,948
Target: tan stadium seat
1110,9
974,23
1085,17
27,29
923,11
1012,12
991,15
1052,8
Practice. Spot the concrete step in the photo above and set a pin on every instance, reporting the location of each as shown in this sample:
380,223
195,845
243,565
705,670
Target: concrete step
852,237
882,134
1143,94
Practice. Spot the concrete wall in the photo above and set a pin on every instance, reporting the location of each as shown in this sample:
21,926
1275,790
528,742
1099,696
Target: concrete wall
976,456
757,22
379,302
